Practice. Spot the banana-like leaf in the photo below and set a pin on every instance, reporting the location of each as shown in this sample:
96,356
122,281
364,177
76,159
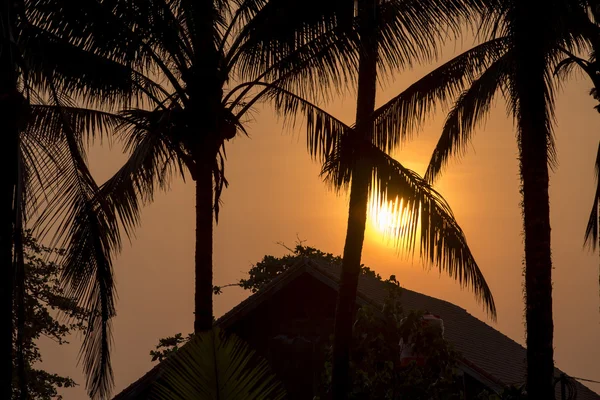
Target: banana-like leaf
216,365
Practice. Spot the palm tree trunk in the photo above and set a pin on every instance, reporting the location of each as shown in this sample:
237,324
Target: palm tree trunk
533,123
205,95
344,313
203,306
359,197
9,148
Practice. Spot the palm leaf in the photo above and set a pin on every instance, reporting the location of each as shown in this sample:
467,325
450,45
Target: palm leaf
469,110
423,217
87,229
323,131
214,365
152,161
422,212
410,31
310,44
399,118
98,79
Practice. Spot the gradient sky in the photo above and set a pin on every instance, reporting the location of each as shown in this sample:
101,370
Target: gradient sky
276,195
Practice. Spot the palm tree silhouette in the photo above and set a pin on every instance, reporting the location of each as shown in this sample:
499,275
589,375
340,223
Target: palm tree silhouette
358,159
183,76
46,178
519,62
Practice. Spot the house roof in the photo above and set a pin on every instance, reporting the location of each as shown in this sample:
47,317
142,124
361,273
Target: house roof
492,356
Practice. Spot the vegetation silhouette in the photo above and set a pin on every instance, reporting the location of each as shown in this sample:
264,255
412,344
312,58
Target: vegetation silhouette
216,365
377,340
356,158
177,81
42,299
46,181
519,61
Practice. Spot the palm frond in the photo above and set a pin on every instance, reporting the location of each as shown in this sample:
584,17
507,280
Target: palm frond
118,31
49,120
99,80
412,31
87,229
315,42
152,161
323,131
591,231
470,109
425,219
215,365
399,118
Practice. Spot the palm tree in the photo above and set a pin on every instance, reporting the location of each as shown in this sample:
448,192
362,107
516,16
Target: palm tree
356,158
360,162
37,163
520,66
175,79
46,181
186,58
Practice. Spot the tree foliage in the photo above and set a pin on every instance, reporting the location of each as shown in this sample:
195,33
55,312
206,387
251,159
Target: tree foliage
270,267
44,299
379,337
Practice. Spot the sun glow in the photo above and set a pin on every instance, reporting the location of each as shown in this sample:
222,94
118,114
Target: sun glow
389,217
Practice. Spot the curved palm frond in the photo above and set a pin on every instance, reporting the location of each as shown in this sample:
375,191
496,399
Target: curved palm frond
425,219
399,118
591,231
100,81
411,31
152,160
303,46
323,131
119,31
88,231
470,109
48,121
107,29
215,365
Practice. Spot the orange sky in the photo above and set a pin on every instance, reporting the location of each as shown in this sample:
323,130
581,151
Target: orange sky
275,195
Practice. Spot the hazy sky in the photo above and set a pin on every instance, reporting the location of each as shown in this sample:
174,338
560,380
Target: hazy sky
276,194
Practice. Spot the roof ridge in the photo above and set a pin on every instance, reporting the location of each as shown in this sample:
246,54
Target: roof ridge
318,264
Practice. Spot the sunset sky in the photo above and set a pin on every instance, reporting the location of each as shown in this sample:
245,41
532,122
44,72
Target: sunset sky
276,195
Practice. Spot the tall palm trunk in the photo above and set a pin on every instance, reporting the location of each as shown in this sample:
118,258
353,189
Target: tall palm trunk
533,123
203,304
357,215
203,85
9,153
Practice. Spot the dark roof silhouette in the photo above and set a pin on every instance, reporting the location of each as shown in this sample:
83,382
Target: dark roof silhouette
492,357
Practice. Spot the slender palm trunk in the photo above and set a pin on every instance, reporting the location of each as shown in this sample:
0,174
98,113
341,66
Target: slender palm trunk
8,152
203,304
205,95
357,215
533,123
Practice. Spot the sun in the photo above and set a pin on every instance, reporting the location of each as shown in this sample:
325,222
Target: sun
388,217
